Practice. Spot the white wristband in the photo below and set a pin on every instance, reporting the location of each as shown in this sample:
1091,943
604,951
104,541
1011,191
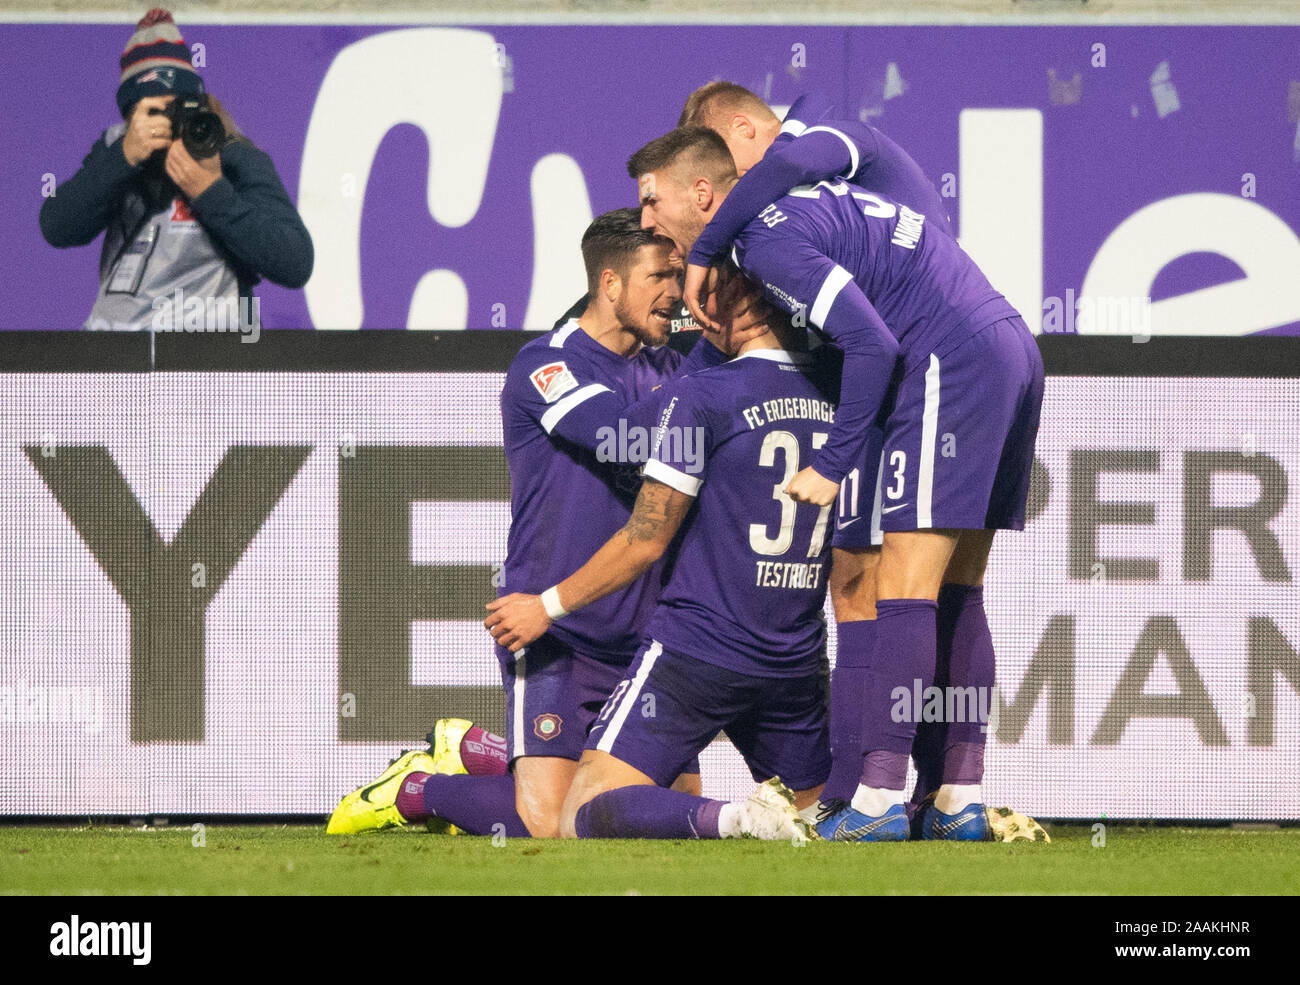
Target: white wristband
551,603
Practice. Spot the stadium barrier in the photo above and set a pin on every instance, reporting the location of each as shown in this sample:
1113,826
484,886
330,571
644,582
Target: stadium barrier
237,578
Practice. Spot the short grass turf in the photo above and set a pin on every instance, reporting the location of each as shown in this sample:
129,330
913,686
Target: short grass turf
299,859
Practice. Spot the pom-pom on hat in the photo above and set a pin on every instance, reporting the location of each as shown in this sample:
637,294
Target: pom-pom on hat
156,62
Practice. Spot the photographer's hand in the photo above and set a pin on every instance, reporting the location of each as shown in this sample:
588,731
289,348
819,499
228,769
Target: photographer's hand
147,131
192,177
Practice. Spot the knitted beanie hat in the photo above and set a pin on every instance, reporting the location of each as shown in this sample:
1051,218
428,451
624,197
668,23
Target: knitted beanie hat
156,62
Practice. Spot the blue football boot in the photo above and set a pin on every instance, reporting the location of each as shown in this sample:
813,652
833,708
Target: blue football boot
971,823
840,822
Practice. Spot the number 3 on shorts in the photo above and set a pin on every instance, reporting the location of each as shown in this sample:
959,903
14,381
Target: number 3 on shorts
897,462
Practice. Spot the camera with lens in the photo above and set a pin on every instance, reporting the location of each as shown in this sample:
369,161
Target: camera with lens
194,125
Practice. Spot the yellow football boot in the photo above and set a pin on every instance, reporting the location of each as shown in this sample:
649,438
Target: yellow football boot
1008,824
373,807
444,744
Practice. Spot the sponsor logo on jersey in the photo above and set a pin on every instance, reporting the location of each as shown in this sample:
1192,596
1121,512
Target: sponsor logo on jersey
553,381
547,727
683,321
181,211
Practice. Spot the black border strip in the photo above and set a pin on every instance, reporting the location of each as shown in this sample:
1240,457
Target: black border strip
317,351
1265,356
404,351
74,352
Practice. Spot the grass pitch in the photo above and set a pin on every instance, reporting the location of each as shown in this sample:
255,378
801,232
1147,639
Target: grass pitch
299,859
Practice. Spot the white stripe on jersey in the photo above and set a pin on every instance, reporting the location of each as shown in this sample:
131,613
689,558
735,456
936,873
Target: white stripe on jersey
556,414
929,431
830,289
669,476
877,536
518,724
795,127
630,697
853,149
563,332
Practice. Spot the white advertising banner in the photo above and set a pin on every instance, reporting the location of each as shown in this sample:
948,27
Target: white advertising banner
242,593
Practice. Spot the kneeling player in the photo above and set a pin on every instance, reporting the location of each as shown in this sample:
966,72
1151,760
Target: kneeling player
736,642
565,391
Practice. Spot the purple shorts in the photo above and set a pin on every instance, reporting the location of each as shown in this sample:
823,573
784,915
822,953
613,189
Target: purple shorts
553,694
959,443
669,707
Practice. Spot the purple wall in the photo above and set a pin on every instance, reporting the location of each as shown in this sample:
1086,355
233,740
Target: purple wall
597,93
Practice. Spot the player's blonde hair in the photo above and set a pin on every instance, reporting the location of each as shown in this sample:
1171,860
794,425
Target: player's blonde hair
710,105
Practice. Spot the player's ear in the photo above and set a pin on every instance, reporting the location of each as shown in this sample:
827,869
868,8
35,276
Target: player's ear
702,192
611,284
742,126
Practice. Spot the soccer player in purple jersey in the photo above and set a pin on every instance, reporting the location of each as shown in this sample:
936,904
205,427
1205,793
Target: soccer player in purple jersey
773,156
737,640
578,412
958,442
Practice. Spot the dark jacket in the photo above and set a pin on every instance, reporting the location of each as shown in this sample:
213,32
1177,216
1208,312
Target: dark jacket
246,212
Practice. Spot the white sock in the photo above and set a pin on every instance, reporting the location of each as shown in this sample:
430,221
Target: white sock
810,812
875,801
730,821
953,798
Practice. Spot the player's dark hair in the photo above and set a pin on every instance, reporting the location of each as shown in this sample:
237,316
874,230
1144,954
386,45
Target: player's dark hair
702,150
610,243
717,99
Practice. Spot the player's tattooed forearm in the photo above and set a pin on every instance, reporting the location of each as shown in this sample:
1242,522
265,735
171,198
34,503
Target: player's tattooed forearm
649,514
656,509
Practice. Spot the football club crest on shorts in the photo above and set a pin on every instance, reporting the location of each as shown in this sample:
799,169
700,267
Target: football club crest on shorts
547,727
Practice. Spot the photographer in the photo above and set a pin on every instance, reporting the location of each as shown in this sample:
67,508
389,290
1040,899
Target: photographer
187,203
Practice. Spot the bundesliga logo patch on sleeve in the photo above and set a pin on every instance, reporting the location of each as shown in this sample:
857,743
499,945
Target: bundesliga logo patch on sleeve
553,381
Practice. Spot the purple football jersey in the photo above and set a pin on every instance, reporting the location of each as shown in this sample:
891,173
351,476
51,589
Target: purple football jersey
747,589
863,270
876,163
813,147
566,400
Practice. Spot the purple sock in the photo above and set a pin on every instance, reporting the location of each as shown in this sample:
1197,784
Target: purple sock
903,662
648,812
475,804
963,762
931,737
848,695
970,665
927,757
483,753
